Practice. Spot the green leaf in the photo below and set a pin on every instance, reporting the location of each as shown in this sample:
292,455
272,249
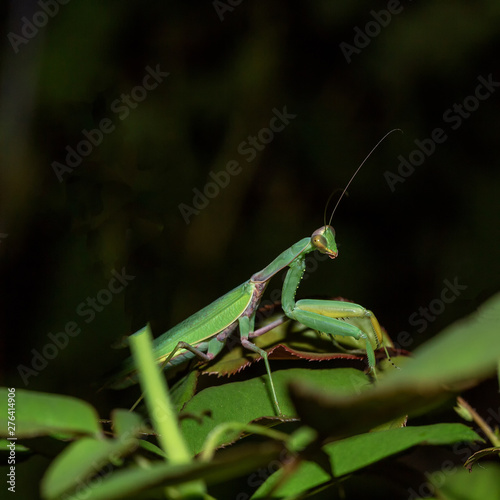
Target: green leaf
467,349
127,423
337,416
251,400
160,408
354,453
6,445
305,477
131,482
459,484
152,448
184,390
81,460
157,397
41,414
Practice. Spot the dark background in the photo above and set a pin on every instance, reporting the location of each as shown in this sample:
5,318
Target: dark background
228,70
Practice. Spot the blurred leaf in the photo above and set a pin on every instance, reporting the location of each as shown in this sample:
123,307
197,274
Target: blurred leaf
39,414
339,416
467,349
463,411
458,484
354,453
4,446
161,410
80,461
392,424
152,448
132,481
126,423
307,476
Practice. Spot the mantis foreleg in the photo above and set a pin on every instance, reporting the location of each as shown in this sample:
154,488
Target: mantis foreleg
326,315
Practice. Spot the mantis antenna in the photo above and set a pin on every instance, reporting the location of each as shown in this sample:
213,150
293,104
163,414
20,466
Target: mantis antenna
354,175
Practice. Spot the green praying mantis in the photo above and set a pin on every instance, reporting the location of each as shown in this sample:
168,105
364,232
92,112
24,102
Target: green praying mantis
204,333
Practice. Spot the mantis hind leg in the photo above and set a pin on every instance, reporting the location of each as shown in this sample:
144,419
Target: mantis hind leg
246,327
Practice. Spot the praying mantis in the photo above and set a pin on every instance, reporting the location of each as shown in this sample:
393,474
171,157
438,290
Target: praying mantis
204,333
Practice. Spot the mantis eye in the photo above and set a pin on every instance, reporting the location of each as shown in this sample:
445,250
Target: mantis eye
323,239
319,241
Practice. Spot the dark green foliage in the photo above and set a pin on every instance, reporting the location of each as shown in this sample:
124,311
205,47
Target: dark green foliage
338,426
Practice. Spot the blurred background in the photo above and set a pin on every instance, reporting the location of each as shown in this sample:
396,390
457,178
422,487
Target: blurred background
115,116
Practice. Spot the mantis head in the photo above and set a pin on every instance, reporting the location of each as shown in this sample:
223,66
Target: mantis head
323,240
